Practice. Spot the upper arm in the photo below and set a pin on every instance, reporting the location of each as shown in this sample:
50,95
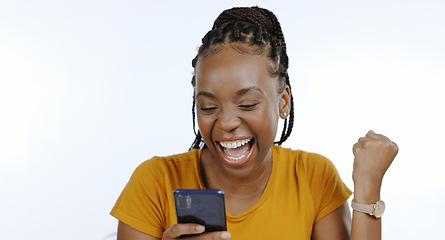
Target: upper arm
336,225
125,232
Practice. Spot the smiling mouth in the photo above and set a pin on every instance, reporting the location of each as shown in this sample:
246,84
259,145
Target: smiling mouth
236,152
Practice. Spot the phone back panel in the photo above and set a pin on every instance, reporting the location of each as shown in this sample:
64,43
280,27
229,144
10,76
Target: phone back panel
205,207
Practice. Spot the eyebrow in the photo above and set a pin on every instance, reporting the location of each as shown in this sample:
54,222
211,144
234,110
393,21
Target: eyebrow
239,93
245,90
206,94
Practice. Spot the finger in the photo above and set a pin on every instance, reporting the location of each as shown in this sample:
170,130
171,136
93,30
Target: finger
382,138
360,143
177,230
356,148
395,146
371,133
212,236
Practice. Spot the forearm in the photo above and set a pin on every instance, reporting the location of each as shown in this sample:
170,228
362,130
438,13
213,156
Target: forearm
373,154
364,226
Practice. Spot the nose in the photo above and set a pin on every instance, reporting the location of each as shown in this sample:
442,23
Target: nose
228,121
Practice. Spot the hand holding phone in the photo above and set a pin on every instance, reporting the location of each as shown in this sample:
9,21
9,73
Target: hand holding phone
204,207
192,231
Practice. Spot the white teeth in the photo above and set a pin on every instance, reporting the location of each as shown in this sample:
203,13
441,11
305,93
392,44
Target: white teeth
236,158
235,144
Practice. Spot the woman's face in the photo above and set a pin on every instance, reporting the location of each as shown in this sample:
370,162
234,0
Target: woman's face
237,107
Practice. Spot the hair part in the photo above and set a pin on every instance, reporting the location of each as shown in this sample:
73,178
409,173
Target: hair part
249,30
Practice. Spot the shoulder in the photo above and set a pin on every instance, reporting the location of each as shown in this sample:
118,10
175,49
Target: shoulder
160,166
307,164
166,161
303,159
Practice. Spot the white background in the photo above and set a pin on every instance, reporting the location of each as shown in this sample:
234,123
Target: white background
90,89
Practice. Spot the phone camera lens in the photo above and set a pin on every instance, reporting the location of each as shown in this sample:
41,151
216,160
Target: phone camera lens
185,201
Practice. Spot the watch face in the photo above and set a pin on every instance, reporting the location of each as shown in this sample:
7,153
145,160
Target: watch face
379,209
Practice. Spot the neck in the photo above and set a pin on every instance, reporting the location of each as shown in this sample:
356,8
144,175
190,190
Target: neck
244,181
242,187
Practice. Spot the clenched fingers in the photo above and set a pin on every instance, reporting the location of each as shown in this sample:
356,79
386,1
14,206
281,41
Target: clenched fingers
373,154
195,231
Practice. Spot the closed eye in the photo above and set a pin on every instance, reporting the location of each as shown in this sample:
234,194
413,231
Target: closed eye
248,106
209,109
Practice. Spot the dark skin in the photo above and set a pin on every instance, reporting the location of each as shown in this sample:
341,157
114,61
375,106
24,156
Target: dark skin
236,98
252,114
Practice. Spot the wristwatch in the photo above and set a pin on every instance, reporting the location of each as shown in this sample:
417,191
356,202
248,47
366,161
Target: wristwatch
377,209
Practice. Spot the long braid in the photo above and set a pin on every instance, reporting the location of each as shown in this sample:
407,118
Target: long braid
287,129
197,140
257,27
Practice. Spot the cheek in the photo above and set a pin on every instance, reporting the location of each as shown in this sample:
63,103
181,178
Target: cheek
262,122
265,122
204,124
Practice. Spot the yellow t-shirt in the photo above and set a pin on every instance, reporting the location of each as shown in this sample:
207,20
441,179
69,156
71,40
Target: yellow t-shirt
302,188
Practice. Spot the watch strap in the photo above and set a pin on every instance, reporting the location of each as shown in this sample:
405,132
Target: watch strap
376,210
364,208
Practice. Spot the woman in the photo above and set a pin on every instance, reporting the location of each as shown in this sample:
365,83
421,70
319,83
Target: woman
241,89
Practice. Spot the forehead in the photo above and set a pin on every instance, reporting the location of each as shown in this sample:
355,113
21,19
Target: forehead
229,66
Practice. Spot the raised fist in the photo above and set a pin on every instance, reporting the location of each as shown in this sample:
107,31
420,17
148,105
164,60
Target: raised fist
373,154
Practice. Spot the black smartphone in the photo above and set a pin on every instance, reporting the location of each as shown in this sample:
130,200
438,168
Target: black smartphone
205,207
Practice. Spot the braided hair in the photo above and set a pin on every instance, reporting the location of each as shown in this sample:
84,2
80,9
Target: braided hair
259,28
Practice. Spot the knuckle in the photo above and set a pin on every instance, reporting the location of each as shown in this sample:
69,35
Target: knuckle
174,228
355,149
395,148
365,144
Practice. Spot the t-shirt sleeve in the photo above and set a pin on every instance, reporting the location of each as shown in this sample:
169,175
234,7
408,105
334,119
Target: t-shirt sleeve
328,190
141,203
